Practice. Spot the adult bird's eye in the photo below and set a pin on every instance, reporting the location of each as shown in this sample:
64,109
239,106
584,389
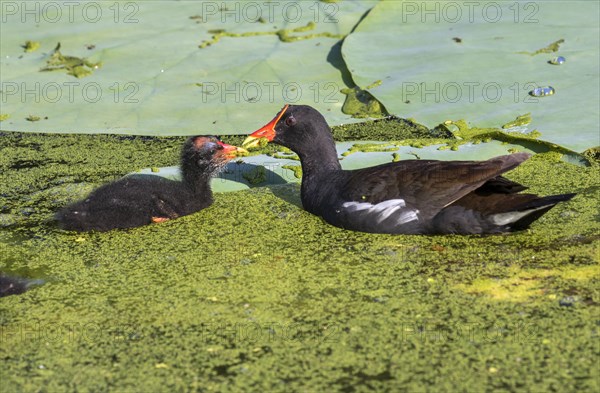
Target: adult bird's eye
290,121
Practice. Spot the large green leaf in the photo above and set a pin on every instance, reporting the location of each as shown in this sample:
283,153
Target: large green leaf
156,79
446,61
263,170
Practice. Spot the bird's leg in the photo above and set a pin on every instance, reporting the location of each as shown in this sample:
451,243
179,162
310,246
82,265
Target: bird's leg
165,212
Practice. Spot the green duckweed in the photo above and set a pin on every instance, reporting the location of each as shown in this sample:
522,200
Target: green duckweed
254,293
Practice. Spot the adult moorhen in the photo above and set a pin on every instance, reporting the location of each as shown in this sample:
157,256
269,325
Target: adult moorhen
408,197
138,200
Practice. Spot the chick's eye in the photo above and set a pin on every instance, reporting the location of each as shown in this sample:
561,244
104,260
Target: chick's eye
290,121
212,147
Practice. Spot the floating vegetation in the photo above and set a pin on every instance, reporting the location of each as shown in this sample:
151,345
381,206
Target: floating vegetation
361,104
31,46
460,129
593,154
551,48
75,66
285,35
256,257
521,120
256,144
370,147
256,176
454,146
292,156
297,169
374,84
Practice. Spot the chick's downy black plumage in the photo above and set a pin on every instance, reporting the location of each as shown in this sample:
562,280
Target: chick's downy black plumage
138,200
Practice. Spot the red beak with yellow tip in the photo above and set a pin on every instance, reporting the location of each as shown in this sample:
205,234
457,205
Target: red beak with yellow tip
267,132
230,151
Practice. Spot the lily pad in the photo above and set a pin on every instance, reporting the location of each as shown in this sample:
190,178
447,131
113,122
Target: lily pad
263,170
156,80
442,61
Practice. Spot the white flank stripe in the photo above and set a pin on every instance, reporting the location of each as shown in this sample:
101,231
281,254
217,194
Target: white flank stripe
386,213
356,206
408,216
384,210
389,203
510,217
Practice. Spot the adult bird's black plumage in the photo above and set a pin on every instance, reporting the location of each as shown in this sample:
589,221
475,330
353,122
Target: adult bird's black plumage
410,197
138,200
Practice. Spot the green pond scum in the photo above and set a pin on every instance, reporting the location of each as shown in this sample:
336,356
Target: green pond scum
592,154
374,84
31,46
361,104
284,35
75,66
551,48
255,294
521,120
466,134
33,118
296,169
256,176
370,147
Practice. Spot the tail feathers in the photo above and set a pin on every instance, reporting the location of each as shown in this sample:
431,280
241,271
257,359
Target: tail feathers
500,185
510,161
520,217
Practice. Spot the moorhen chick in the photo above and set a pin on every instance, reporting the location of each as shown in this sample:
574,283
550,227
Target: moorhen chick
405,197
138,200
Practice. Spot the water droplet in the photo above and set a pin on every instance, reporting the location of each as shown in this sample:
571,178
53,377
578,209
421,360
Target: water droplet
557,60
542,91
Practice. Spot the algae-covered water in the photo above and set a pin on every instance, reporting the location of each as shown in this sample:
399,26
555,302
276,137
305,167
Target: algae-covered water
255,294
